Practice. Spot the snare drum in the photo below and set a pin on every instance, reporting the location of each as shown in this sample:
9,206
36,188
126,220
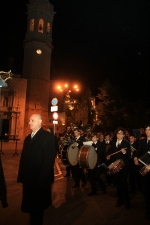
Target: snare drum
63,155
116,166
73,154
87,157
145,170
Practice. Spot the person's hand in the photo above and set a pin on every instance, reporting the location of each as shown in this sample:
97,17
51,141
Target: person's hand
108,157
123,150
75,143
136,162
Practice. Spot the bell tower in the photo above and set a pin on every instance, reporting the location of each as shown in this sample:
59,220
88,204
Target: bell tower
37,58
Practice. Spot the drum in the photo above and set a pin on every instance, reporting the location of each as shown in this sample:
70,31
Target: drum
87,157
63,155
116,166
145,170
73,154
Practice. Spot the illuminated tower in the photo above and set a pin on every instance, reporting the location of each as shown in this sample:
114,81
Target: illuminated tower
37,58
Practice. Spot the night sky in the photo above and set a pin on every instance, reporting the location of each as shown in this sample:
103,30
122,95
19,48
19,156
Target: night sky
92,40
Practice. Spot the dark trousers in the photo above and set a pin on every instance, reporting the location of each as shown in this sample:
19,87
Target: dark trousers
120,180
36,218
78,174
146,190
95,178
68,170
132,175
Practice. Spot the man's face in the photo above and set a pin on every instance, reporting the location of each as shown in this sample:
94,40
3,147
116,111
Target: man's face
120,135
76,133
147,131
81,132
101,137
94,139
132,139
107,138
35,122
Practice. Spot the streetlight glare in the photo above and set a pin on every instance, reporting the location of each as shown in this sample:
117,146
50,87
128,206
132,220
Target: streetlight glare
66,85
58,87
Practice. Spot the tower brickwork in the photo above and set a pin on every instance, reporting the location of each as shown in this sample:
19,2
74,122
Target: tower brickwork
37,58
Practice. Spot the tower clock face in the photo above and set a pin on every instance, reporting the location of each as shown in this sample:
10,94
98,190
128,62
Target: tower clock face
39,51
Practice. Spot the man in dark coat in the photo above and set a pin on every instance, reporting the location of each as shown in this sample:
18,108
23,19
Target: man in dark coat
120,150
36,170
3,191
95,173
143,155
78,173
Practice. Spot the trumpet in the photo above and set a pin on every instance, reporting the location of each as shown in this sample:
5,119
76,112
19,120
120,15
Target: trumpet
132,148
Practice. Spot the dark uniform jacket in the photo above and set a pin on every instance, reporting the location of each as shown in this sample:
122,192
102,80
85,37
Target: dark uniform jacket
36,170
100,150
80,141
120,155
143,148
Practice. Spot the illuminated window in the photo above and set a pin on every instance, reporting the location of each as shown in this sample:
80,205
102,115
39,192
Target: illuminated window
41,25
48,28
32,25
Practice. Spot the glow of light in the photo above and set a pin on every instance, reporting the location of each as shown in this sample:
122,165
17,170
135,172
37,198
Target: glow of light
77,89
39,51
69,90
75,86
58,87
66,85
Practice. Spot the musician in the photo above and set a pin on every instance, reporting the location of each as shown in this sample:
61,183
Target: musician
95,173
142,135
78,173
68,136
120,149
107,147
144,147
101,137
134,176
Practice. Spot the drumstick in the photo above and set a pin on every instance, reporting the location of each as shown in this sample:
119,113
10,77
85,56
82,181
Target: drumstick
116,152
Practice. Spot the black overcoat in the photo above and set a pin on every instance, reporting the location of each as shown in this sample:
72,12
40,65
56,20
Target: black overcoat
36,171
3,191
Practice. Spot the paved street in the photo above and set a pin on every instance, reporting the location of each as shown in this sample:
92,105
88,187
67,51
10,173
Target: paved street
70,206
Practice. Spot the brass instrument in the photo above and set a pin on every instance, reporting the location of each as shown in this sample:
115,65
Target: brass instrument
132,148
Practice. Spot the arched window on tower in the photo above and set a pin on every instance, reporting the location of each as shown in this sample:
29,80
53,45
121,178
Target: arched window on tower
41,25
48,28
32,24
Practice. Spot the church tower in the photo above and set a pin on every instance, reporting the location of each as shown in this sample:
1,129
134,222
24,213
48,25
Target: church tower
37,58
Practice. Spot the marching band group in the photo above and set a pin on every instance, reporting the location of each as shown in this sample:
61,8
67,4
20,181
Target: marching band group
122,158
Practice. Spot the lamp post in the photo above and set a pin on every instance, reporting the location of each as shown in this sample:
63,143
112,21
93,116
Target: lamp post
68,101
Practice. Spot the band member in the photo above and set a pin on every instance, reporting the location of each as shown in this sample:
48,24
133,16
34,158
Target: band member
144,147
134,175
78,173
142,134
107,147
95,173
121,148
64,144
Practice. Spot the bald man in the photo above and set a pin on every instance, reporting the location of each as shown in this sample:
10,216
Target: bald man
36,170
